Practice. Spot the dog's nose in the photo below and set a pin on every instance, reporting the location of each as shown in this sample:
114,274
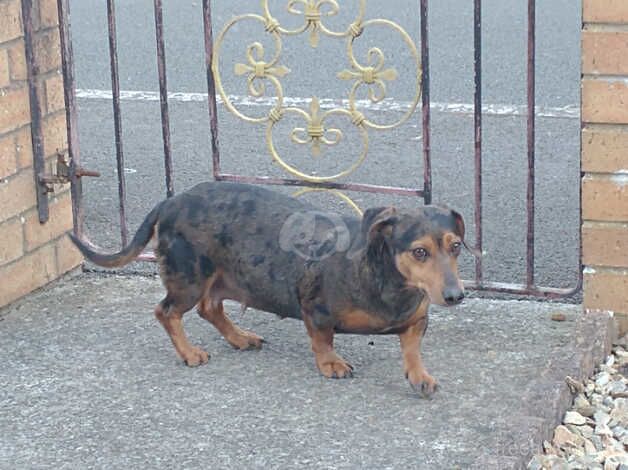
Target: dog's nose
453,296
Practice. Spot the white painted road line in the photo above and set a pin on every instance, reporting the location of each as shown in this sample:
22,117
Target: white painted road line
571,111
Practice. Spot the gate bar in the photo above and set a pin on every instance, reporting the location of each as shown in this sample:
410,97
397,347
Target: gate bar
69,86
367,188
32,70
531,142
163,96
522,289
425,104
477,121
211,87
117,120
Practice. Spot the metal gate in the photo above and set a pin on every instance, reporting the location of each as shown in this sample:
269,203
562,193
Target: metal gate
373,74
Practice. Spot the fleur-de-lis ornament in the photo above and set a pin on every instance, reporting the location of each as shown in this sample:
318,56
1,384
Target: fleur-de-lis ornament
373,74
316,133
312,11
258,69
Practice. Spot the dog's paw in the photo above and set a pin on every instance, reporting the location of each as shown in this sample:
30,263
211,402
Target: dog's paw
422,383
246,340
336,368
194,357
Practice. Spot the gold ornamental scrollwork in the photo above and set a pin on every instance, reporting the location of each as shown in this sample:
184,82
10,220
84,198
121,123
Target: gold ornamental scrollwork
263,71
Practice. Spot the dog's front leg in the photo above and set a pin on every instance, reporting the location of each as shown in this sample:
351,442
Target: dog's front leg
415,372
328,362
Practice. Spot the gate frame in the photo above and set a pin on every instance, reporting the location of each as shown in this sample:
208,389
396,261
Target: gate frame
526,289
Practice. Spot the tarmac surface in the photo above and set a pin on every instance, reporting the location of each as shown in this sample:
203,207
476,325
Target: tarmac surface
90,380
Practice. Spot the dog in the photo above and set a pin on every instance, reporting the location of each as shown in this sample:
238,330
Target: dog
276,253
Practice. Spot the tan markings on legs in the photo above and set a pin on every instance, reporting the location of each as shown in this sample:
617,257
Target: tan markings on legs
237,337
328,362
415,372
171,321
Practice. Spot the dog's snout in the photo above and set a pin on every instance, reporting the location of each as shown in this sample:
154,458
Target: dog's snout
453,296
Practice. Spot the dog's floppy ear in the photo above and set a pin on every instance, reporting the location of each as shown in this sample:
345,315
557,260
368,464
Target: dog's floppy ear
378,221
459,230
458,223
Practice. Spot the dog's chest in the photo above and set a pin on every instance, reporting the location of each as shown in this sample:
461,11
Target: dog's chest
360,321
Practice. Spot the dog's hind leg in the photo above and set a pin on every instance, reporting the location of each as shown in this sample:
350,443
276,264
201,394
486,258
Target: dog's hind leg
169,313
214,313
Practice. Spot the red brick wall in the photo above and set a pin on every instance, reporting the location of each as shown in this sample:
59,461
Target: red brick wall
31,254
605,156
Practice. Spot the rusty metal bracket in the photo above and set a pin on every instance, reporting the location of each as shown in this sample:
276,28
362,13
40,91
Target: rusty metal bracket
65,173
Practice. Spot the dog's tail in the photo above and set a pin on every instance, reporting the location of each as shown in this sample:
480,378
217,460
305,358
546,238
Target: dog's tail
130,252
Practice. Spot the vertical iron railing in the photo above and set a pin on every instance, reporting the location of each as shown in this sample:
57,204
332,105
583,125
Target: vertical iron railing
117,118
531,142
477,125
425,104
74,154
163,96
211,87
426,192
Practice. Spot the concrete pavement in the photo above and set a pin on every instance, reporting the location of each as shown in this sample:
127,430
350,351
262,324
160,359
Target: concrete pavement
90,380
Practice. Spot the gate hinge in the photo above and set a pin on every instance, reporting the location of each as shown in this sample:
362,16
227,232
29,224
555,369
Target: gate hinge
64,174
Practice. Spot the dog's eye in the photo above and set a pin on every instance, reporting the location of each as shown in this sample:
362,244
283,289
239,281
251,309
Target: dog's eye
420,253
455,248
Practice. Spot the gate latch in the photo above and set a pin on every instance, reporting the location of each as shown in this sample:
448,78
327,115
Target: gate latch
64,174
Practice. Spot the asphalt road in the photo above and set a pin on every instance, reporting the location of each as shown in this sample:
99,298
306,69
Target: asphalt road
394,157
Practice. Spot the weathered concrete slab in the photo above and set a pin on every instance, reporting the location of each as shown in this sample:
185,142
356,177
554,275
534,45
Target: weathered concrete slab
90,380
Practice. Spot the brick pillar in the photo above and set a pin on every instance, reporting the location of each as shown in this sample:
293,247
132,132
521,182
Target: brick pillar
31,254
605,156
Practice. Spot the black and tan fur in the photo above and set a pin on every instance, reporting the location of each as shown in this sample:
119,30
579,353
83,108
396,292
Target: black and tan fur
221,241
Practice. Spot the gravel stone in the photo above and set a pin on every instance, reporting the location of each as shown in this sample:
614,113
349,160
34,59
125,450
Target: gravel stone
604,447
603,379
573,417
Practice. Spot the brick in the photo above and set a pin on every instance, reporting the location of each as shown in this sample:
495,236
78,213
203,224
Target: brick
605,52
5,77
605,198
47,51
17,194
68,257
14,109
27,274
605,244
59,222
10,20
17,61
606,289
24,147
55,134
54,94
604,101
48,15
604,150
11,247
8,163
605,11
621,319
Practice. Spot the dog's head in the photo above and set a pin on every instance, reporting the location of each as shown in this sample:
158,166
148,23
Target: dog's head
423,246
